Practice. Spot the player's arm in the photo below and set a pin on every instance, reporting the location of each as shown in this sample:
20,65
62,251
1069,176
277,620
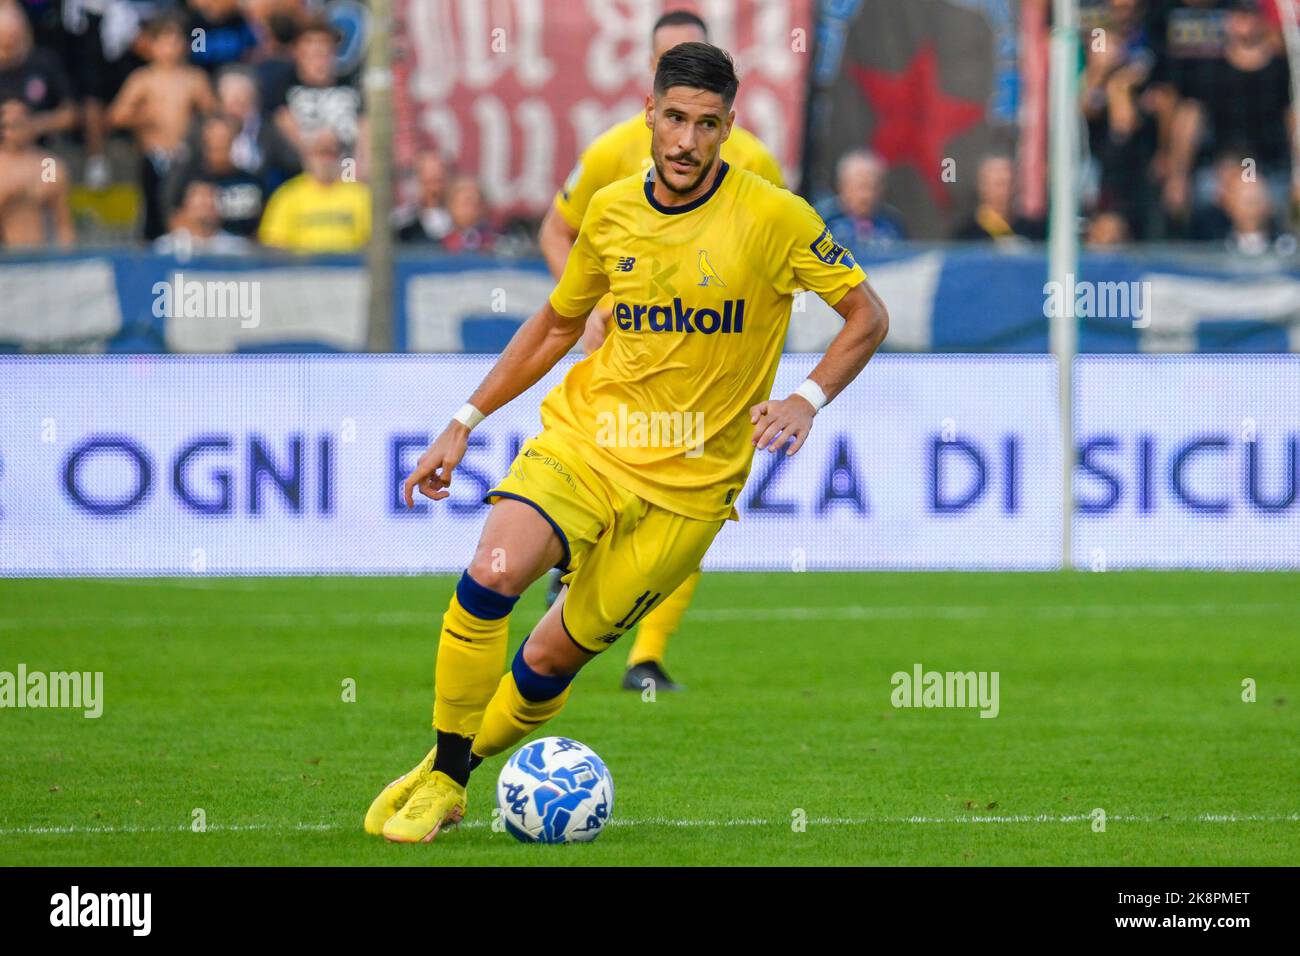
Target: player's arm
533,351
556,239
865,323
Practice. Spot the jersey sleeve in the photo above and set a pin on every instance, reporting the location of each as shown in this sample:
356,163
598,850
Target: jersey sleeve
584,281
596,168
813,260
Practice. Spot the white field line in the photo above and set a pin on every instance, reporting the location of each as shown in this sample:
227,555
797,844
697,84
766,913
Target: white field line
669,822
831,613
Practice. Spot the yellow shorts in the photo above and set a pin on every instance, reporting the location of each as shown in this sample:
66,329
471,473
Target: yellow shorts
622,554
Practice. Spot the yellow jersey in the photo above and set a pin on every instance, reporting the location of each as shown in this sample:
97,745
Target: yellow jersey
305,215
624,150
702,295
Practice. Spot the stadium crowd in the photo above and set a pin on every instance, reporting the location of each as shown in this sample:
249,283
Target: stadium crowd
216,125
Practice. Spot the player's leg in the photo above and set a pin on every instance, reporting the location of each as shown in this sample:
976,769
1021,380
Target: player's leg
516,547
645,662
626,574
549,510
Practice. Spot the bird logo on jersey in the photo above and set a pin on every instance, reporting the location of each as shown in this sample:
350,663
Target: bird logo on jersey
707,271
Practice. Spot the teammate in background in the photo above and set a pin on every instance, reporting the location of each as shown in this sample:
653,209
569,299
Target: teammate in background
619,152
628,521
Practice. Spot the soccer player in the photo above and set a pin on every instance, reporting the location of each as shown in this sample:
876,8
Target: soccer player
702,260
622,151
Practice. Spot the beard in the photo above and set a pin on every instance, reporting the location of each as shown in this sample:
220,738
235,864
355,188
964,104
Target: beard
661,164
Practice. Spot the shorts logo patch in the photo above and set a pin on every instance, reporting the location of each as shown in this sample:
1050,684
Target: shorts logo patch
625,264
610,638
549,462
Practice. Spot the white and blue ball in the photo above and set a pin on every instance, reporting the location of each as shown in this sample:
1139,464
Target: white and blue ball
555,790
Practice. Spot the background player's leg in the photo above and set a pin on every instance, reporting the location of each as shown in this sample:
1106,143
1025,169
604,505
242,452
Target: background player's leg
515,549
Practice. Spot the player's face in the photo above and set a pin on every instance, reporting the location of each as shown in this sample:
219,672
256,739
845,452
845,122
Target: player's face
688,129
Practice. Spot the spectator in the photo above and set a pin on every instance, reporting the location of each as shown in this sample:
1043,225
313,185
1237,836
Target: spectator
103,37
1107,229
1210,221
857,216
277,26
316,211
33,185
227,37
1240,103
994,218
33,76
1250,210
470,229
196,226
314,98
158,102
428,219
239,192
1119,108
259,147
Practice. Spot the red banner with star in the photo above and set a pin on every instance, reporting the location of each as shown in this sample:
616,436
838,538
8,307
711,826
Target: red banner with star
931,86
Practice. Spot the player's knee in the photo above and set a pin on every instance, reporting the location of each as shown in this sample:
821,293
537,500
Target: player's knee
546,658
496,575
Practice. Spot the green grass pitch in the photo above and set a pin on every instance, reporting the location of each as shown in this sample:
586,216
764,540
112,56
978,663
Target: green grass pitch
1119,691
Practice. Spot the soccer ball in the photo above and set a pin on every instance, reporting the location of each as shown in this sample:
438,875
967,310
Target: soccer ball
555,790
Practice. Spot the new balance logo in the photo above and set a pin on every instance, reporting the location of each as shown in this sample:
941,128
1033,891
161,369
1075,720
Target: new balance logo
625,264
678,318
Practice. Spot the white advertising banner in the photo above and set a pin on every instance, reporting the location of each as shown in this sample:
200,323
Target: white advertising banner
292,464
1187,461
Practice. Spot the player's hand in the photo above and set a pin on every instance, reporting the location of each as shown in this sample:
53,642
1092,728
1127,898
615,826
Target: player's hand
432,473
778,422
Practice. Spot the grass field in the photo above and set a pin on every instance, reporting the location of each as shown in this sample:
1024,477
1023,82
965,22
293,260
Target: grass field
1117,691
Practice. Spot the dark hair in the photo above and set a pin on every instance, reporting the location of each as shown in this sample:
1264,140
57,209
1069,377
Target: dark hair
283,26
700,66
168,21
318,24
680,18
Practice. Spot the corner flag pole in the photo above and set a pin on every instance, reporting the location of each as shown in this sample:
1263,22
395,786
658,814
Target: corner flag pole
1063,239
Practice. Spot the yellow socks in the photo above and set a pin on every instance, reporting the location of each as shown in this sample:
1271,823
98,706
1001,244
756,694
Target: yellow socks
471,653
657,626
510,718
523,702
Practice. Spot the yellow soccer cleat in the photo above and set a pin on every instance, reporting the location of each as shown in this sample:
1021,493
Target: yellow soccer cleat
394,796
436,802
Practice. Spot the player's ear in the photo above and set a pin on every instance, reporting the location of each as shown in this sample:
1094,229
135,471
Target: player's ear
650,111
726,130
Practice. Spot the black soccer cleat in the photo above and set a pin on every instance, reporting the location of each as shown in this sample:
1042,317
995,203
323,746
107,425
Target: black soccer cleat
554,586
638,674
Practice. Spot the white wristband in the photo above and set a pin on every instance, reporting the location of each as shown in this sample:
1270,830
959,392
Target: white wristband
469,416
813,393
